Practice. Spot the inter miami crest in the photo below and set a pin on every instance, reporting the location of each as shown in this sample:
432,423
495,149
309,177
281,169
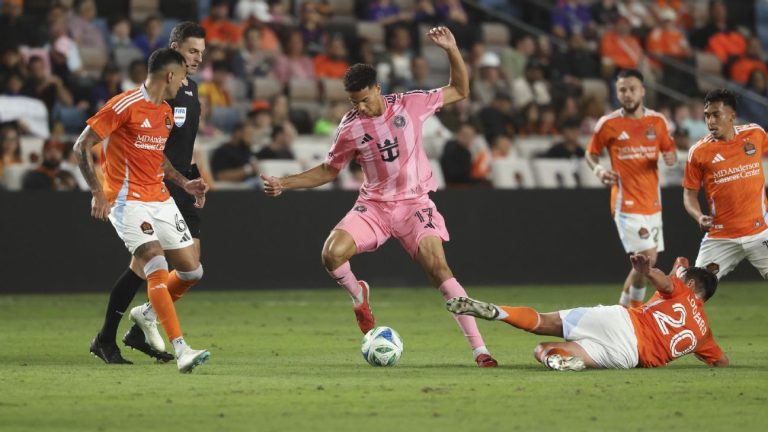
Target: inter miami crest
398,122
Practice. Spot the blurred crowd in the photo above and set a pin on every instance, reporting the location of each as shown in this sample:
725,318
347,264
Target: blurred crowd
270,88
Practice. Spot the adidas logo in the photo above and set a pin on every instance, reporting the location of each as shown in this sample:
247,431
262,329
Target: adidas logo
718,158
623,136
146,124
366,138
184,238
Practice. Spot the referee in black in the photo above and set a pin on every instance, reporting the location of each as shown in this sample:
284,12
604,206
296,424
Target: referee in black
187,38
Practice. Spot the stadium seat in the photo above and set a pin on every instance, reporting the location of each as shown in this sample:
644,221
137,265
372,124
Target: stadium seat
266,88
555,173
333,90
512,173
438,61
437,173
532,146
13,176
495,34
303,90
310,154
141,9
342,7
595,88
371,31
168,25
32,145
587,178
238,88
225,118
94,60
707,64
124,56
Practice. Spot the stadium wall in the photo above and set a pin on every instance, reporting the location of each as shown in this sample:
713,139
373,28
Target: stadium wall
51,244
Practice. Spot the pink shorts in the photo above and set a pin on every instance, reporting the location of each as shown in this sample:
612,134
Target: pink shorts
371,223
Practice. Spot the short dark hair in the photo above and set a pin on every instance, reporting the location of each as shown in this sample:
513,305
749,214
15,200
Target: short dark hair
626,73
706,281
721,95
162,58
358,77
184,30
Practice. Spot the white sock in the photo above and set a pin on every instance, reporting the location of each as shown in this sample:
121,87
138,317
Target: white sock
636,294
624,300
149,312
179,346
480,350
502,313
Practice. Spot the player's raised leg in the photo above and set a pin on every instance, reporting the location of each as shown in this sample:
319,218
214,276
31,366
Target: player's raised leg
431,256
339,247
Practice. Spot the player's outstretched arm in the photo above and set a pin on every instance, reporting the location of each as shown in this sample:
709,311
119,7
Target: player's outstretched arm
693,207
314,177
100,206
458,86
660,281
197,187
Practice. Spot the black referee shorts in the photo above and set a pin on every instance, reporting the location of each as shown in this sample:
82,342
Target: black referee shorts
186,203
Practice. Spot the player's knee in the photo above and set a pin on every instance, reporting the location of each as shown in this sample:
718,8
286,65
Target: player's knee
194,275
155,263
333,257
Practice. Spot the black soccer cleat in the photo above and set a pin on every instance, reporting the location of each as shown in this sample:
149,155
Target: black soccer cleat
135,339
110,353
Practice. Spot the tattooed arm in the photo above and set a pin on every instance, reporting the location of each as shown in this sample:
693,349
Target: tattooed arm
197,187
100,206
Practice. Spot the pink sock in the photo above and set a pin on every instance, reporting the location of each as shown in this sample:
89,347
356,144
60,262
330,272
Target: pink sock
345,278
450,289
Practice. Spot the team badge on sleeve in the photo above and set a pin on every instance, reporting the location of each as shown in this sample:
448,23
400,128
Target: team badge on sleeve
179,116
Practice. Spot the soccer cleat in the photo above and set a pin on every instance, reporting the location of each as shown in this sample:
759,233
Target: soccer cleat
486,361
365,318
560,363
149,327
191,359
475,308
135,339
110,353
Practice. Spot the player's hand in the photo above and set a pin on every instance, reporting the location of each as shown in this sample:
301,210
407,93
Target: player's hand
705,222
100,207
272,185
197,188
606,176
640,263
442,37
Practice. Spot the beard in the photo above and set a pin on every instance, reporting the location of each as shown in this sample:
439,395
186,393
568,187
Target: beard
631,108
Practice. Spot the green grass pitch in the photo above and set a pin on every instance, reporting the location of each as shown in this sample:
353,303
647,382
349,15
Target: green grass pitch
287,361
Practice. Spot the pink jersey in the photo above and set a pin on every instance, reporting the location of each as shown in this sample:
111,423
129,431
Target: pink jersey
388,147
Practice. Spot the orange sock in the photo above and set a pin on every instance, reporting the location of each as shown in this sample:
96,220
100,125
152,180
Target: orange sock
560,351
524,318
160,298
178,287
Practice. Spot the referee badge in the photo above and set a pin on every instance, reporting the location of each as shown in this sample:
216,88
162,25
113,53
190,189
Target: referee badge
179,116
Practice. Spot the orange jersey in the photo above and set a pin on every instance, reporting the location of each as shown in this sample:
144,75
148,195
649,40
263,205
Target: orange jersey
134,131
671,325
733,179
633,146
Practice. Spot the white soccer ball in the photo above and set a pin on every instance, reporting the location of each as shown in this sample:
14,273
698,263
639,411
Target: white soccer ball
382,346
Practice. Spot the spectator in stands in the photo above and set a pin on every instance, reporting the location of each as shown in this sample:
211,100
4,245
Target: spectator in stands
498,117
10,148
216,89
751,110
65,55
489,80
569,110
83,30
11,63
219,29
40,84
294,64
206,128
536,120
532,87
742,68
717,22
619,48
667,39
15,27
394,69
247,9
326,125
691,118
44,176
575,64
604,12
280,144
637,14
137,73
281,110
260,117
311,28
13,84
386,12
682,140
262,19
570,16
69,166
421,79
569,146
449,13
727,45
503,147
150,40
333,62
513,61
234,161
122,49
108,87
594,108
456,161
250,61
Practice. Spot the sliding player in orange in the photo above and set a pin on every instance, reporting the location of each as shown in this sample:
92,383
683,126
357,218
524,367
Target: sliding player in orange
728,164
133,128
633,136
669,326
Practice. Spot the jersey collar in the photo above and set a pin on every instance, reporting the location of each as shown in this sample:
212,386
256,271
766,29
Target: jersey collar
144,92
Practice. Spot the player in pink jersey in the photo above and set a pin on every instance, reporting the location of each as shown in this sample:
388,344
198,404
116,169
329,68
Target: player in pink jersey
383,133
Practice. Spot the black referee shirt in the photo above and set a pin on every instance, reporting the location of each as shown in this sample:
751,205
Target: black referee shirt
186,119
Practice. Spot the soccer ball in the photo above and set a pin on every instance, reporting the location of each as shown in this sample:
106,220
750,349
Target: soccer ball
382,346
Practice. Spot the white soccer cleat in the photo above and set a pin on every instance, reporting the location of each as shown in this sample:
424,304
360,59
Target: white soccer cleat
149,327
560,363
475,308
191,359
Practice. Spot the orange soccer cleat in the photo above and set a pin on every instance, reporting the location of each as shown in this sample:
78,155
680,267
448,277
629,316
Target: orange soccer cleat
365,318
